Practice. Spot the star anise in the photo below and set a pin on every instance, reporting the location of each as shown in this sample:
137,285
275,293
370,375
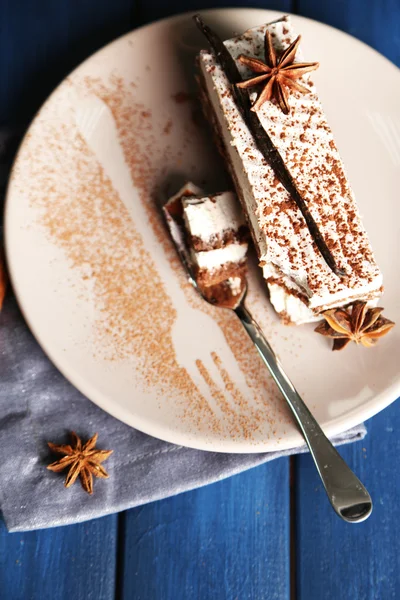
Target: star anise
83,460
276,74
356,323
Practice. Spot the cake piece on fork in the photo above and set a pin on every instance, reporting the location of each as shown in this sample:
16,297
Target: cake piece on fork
286,109
215,235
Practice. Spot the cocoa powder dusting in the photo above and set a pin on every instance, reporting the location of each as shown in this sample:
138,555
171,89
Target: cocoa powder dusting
134,314
146,161
168,127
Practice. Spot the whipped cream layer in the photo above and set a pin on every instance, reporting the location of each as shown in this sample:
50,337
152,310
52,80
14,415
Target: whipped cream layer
304,139
290,307
209,218
214,259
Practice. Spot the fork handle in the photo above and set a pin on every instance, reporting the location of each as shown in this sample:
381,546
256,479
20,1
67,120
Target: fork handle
348,496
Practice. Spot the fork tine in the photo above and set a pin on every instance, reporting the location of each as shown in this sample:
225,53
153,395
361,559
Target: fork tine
244,397
218,381
205,384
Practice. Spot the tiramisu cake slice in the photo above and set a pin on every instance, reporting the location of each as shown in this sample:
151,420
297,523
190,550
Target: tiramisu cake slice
288,174
215,236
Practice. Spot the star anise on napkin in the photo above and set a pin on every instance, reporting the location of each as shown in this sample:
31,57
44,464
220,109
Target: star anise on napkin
276,74
83,460
356,323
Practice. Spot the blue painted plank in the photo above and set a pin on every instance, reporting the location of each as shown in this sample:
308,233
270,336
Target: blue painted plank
335,560
42,41
375,22
157,9
225,541
338,560
76,562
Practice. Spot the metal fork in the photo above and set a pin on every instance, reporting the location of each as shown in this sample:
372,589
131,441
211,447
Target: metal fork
347,495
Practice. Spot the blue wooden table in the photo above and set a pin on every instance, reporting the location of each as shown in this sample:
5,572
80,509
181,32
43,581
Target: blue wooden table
265,534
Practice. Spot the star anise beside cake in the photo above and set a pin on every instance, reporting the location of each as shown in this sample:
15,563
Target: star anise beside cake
357,323
82,460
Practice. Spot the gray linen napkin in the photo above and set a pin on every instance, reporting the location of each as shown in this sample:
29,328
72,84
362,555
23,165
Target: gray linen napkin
37,404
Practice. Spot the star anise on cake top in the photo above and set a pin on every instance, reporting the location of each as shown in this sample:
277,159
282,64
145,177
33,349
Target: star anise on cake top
83,460
276,74
356,323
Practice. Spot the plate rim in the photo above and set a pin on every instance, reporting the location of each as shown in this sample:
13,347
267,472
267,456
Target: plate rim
332,428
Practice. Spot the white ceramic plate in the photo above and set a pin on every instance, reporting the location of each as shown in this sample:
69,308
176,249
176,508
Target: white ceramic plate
97,277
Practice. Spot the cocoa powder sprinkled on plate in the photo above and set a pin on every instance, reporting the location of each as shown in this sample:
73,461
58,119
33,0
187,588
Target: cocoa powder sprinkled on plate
83,215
